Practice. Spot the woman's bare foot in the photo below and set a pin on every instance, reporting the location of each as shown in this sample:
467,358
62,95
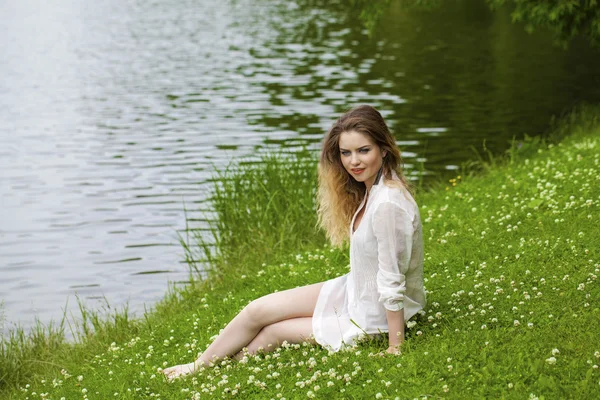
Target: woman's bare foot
182,370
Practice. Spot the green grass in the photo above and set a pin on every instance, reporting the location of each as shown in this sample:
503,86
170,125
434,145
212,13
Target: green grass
512,259
262,212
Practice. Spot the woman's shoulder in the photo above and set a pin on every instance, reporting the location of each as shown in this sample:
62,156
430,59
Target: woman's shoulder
394,192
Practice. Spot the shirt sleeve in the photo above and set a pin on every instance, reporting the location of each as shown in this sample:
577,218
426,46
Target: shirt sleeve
393,230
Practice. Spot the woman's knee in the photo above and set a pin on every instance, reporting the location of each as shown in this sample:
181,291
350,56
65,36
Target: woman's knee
257,312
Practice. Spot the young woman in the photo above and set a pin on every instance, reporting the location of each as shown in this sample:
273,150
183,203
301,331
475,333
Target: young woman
363,198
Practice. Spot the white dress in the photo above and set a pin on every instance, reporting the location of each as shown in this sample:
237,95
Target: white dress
386,271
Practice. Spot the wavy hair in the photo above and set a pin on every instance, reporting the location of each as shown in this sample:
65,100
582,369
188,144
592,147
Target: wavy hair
339,194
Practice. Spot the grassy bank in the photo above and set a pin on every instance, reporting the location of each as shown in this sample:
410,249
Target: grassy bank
512,259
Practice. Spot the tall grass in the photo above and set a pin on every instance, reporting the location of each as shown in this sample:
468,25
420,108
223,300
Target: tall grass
262,211
21,351
25,354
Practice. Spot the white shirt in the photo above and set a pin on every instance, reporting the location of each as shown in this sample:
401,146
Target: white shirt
386,271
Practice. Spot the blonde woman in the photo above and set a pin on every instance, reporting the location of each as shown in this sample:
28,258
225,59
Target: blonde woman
363,198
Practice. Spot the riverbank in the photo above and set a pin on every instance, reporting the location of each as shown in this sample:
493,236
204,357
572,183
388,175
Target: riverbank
512,259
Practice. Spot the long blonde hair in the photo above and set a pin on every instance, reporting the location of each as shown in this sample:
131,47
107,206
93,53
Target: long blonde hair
339,194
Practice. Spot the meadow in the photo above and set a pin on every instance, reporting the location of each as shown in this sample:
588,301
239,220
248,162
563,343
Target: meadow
511,265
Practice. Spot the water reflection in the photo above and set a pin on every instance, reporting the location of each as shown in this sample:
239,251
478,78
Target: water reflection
114,114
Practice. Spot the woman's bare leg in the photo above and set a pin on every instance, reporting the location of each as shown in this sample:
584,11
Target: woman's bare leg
293,303
293,330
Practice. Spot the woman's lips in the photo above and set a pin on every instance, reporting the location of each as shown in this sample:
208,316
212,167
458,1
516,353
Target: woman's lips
357,171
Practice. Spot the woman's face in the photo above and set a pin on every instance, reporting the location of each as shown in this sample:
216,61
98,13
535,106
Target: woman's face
360,156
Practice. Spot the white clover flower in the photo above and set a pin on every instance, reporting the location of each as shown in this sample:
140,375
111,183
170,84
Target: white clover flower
551,360
516,322
555,352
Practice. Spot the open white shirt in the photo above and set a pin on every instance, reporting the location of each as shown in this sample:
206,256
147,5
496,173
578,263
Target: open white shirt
386,271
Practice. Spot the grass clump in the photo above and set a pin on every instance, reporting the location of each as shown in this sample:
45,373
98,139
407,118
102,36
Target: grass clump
27,355
261,213
511,266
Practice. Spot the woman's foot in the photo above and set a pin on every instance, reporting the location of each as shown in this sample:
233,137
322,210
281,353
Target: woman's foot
181,370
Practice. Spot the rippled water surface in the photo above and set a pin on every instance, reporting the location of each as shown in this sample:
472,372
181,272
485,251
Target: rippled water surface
115,112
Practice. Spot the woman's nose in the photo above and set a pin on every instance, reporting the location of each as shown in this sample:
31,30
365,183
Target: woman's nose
354,159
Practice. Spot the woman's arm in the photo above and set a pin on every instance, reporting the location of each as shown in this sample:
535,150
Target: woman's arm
396,330
393,230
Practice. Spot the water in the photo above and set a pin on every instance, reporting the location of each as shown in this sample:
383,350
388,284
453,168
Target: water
115,112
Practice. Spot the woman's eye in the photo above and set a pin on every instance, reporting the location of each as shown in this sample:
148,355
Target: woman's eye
364,150
345,153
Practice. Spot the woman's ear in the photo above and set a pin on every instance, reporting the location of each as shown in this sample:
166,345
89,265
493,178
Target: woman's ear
384,153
